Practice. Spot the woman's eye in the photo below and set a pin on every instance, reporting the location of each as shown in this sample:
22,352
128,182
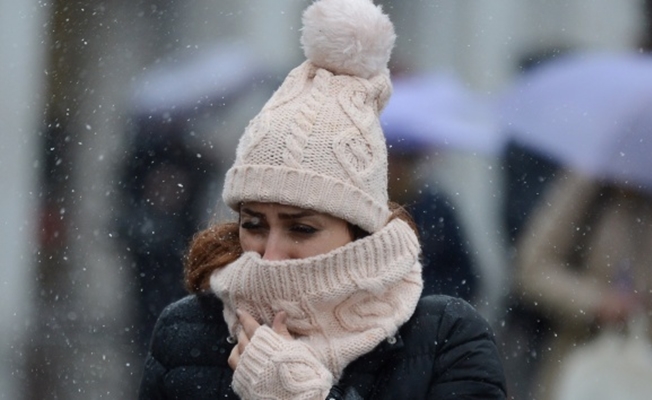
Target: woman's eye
303,229
251,224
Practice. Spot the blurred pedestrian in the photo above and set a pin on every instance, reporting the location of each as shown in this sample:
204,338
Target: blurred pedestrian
443,142
583,261
163,183
319,281
448,267
540,129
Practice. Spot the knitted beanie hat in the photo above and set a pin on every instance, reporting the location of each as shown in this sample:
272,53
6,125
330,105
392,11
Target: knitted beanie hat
317,143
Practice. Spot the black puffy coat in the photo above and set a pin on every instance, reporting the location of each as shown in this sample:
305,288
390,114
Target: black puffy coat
445,351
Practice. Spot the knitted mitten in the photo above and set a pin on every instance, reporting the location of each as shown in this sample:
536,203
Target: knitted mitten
273,367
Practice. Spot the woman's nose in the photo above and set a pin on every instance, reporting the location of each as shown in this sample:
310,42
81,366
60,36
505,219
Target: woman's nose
275,248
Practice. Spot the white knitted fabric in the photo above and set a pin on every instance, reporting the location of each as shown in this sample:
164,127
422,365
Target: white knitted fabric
275,368
339,305
317,143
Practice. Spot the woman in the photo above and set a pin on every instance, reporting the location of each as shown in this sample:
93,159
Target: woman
315,292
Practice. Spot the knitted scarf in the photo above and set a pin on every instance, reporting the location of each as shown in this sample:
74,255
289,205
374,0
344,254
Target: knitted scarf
340,305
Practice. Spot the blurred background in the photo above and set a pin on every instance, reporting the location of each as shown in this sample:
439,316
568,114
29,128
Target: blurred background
118,120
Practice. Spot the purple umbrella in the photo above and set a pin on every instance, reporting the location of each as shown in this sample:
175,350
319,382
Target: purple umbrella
590,112
437,110
212,75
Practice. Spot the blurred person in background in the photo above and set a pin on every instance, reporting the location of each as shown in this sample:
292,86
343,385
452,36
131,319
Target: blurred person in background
528,175
448,268
582,259
164,183
319,281
528,172
186,116
581,112
439,132
584,263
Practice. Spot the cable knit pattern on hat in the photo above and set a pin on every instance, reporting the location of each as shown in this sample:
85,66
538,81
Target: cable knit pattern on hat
317,143
339,305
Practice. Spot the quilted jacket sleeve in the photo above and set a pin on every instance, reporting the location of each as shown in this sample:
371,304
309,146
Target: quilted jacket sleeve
151,384
188,354
445,351
467,362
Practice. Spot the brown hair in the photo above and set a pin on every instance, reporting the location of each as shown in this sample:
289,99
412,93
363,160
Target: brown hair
219,245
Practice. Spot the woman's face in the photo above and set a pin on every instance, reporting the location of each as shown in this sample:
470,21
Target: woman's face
280,232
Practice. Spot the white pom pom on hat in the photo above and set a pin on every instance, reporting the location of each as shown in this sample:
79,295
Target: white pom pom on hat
352,37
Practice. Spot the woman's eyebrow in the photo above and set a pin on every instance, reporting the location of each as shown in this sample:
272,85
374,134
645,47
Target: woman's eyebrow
252,213
298,215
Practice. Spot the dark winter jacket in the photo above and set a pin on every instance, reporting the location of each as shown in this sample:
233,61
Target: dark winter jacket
447,265
445,351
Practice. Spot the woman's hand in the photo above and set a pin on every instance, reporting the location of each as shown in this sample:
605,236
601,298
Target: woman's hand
269,360
249,327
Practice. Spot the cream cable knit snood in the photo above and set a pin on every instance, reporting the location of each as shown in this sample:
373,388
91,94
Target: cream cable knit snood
340,305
